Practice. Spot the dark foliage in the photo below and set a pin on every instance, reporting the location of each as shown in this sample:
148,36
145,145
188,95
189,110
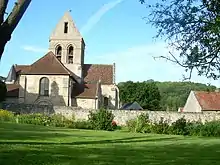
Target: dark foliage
144,93
3,91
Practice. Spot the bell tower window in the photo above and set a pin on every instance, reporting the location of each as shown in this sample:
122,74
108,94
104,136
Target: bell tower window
70,54
65,27
59,52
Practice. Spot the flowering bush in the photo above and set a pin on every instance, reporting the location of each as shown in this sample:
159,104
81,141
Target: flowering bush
114,124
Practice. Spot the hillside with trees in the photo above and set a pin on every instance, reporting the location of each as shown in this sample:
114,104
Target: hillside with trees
159,95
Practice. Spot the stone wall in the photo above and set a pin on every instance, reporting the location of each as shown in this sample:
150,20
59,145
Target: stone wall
121,116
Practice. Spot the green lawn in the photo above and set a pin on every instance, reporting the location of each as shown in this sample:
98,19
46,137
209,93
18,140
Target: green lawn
36,145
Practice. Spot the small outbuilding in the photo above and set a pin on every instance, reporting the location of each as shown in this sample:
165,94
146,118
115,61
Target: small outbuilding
131,106
201,101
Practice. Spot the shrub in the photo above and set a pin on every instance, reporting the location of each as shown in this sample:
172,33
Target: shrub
81,125
131,124
36,119
160,128
194,128
55,120
101,120
139,124
58,120
211,128
179,127
6,116
141,121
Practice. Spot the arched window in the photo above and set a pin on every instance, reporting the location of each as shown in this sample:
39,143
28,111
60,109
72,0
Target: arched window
44,86
70,50
59,52
70,54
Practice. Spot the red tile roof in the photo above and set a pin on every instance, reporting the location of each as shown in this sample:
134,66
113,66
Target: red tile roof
12,90
48,64
93,72
85,91
21,68
209,101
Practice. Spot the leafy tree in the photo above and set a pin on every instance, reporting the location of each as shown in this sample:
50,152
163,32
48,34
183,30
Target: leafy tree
8,25
192,27
145,93
3,91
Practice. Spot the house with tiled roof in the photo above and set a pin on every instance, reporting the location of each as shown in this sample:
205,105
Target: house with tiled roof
61,77
202,101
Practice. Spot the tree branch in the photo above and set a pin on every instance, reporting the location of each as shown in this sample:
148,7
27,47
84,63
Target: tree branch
3,6
15,16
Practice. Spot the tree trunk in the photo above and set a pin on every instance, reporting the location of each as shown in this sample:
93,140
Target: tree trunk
2,47
7,27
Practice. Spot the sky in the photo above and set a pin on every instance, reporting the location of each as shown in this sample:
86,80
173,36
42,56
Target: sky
114,32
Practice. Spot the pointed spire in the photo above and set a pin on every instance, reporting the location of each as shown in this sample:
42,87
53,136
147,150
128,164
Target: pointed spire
11,75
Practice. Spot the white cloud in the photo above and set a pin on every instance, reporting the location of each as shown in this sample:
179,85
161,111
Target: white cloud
34,49
137,64
94,19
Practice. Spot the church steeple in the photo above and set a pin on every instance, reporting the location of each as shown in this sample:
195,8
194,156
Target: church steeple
66,28
68,45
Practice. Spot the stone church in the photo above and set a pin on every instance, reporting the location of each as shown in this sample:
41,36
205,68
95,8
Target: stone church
61,78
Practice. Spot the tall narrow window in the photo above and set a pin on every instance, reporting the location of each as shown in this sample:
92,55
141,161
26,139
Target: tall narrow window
65,27
44,87
58,52
70,51
70,55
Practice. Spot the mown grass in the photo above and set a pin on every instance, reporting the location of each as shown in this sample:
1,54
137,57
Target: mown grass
37,145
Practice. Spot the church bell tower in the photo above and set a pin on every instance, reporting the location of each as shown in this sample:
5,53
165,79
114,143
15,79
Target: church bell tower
68,45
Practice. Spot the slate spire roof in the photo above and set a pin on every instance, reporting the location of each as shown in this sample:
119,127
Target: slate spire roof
11,75
131,106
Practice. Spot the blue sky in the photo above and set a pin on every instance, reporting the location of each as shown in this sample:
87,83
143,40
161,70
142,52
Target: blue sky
114,31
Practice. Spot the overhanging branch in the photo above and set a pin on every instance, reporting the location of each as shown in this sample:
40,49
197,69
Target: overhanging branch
16,14
3,6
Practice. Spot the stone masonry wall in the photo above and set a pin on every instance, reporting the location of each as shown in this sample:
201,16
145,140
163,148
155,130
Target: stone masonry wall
121,116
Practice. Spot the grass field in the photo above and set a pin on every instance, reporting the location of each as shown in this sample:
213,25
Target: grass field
36,145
